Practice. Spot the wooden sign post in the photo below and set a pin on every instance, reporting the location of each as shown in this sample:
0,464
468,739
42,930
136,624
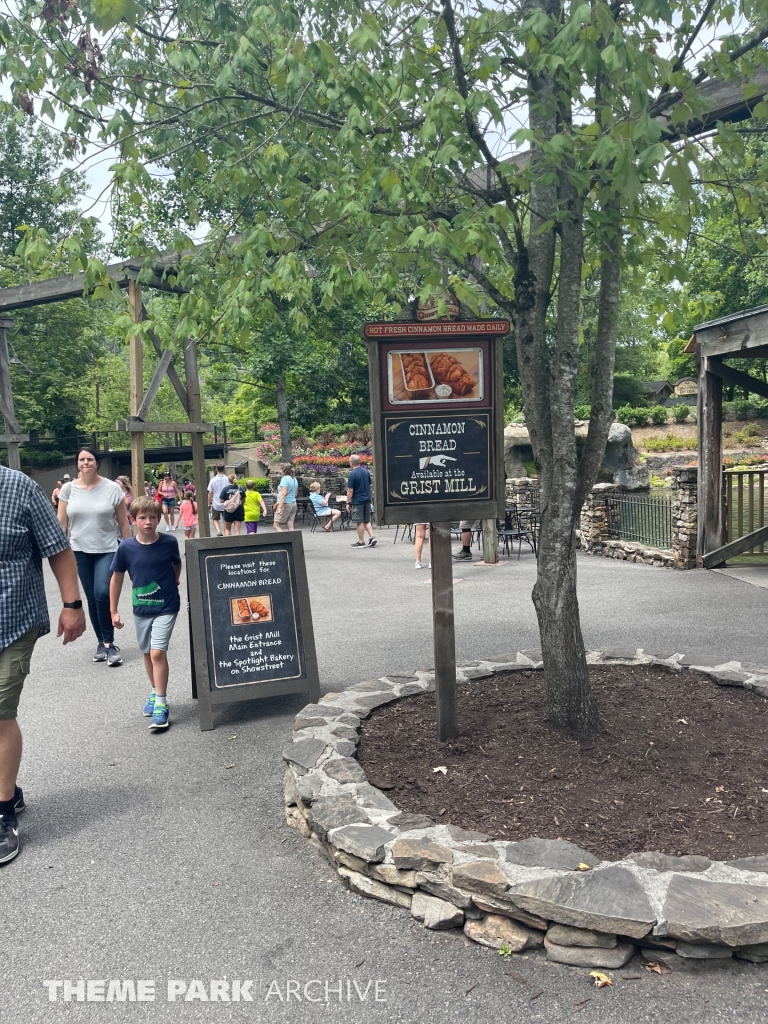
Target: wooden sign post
251,623
437,423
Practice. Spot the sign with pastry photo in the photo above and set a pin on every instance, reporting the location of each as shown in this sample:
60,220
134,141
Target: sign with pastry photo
432,376
251,609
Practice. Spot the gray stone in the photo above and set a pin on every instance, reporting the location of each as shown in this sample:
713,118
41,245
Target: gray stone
300,722
660,655
663,862
345,732
607,900
477,673
420,854
492,905
290,793
486,852
750,863
308,787
377,890
372,797
590,956
393,876
370,686
727,677
619,653
410,678
344,747
410,689
374,700
702,660
497,931
343,770
621,459
463,835
761,689
329,812
504,667
406,822
436,914
703,951
724,913
532,655
481,876
557,854
305,752
437,886
756,953
322,711
669,958
364,841
563,935
503,659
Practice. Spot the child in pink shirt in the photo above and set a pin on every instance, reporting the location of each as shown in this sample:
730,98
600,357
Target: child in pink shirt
188,514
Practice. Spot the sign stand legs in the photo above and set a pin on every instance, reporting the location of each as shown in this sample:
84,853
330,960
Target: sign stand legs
444,633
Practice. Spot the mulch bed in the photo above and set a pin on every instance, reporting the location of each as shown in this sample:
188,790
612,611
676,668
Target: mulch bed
681,765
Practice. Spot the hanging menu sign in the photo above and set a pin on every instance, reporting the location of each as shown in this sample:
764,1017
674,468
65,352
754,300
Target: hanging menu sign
250,617
436,416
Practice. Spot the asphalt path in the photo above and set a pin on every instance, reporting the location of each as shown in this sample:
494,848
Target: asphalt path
165,858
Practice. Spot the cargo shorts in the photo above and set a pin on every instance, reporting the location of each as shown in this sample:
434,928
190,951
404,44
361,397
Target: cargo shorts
14,669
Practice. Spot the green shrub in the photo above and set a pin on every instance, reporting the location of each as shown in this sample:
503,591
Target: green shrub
639,416
669,444
728,411
742,408
582,412
658,414
624,414
530,468
260,483
760,408
41,457
749,434
681,413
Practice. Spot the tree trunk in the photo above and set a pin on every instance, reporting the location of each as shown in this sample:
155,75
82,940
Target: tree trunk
282,418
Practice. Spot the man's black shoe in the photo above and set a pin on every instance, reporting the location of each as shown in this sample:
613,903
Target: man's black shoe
9,837
18,799
463,556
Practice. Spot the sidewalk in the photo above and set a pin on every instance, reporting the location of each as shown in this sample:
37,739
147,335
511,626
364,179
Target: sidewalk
165,856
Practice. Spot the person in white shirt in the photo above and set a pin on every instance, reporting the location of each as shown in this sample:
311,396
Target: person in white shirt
215,487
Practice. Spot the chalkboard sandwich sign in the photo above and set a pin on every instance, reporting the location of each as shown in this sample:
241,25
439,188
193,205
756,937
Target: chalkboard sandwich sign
250,620
437,418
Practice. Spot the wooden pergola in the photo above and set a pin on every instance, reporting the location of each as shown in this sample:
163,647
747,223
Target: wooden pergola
742,335
126,274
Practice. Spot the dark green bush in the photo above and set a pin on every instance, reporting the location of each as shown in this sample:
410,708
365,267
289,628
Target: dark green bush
582,412
658,414
625,414
41,457
742,408
681,413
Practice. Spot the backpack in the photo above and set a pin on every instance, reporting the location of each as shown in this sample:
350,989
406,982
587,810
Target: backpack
232,504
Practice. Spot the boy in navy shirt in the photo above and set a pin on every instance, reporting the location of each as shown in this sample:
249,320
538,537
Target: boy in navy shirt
153,562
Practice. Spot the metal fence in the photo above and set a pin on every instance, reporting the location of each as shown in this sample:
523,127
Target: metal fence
645,519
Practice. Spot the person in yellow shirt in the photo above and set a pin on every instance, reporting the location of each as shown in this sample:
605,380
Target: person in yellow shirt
254,507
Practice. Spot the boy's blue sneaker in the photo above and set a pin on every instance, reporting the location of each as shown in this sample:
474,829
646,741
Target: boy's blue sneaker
149,707
159,716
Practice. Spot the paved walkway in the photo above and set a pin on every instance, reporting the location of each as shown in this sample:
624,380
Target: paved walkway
166,857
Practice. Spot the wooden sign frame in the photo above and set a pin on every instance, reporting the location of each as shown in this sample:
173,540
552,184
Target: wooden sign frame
209,695
487,337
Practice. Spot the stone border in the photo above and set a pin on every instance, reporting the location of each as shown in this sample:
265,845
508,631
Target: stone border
534,892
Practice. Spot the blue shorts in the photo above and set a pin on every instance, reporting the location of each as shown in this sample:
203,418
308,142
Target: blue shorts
153,632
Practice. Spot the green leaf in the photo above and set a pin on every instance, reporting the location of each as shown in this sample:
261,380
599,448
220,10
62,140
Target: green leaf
108,13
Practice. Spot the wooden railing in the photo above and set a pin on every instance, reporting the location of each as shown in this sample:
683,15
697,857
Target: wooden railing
745,503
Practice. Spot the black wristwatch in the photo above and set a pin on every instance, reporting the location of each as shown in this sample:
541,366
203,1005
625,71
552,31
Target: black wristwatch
73,604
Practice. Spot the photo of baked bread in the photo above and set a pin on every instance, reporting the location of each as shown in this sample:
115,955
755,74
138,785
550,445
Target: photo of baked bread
246,610
435,376
447,369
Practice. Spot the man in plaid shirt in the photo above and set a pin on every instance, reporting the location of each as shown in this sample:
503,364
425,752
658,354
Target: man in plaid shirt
29,532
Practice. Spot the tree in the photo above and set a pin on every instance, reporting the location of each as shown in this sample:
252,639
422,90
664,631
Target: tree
377,138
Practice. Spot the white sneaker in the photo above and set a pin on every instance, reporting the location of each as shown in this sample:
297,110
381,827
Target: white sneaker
418,566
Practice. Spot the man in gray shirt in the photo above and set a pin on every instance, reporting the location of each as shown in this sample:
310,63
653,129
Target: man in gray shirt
215,487
29,532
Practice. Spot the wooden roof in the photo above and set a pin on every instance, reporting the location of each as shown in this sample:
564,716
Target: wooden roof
744,333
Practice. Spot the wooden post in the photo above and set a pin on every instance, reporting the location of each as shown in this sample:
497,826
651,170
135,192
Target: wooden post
11,423
198,441
710,417
137,388
444,633
490,542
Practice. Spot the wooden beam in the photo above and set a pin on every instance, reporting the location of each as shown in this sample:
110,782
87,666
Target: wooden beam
71,286
154,385
734,336
198,450
710,420
741,380
12,427
13,438
444,631
735,547
174,378
136,359
136,425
